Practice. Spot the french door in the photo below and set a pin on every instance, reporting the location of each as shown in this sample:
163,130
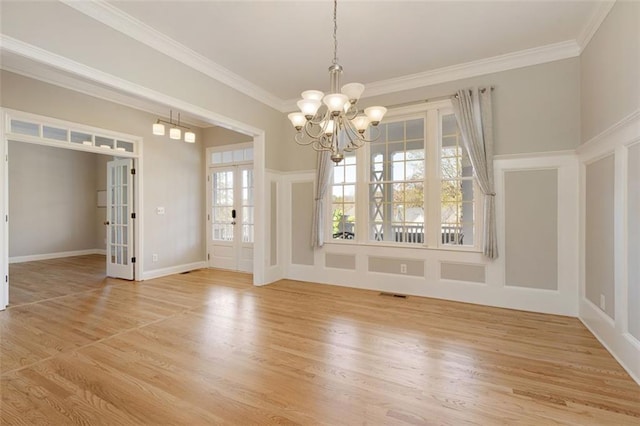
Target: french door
120,219
230,217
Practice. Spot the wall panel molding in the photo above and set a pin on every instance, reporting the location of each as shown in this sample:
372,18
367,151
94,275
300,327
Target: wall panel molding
493,291
613,333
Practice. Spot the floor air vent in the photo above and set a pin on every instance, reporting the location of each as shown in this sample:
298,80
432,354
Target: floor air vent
399,296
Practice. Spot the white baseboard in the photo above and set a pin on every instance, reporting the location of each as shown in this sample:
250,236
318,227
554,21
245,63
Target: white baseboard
58,255
272,274
616,343
178,269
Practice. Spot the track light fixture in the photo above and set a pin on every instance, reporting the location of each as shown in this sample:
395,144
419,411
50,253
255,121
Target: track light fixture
175,131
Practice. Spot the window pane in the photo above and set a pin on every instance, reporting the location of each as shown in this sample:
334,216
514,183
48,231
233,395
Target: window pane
396,188
25,128
54,133
125,146
395,131
343,197
397,212
103,142
82,138
415,129
248,154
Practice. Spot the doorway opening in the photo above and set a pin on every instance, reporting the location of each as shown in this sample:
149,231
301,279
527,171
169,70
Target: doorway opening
72,198
231,207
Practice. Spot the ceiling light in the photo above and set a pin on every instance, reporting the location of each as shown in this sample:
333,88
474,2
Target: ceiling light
175,131
189,137
338,125
158,128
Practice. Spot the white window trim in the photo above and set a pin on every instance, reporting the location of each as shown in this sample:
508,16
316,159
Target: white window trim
231,147
432,113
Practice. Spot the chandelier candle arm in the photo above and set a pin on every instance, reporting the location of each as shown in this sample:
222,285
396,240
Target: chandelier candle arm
333,122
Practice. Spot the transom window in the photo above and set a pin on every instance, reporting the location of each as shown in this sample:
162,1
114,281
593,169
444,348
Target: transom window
417,187
58,132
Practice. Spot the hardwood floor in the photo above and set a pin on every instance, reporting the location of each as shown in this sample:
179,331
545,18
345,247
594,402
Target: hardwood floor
208,348
46,279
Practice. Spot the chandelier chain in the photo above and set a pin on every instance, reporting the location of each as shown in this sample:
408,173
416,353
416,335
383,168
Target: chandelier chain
335,32
338,127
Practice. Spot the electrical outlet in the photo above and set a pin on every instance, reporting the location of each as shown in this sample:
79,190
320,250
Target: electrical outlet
154,257
602,302
403,268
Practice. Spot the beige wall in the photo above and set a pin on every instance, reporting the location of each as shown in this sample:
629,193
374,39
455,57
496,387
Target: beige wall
531,229
536,109
219,136
52,200
171,174
599,239
610,70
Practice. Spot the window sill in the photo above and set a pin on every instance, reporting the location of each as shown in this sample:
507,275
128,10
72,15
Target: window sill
464,249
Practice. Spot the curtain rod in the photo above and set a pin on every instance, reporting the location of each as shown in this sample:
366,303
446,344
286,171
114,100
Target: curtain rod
424,101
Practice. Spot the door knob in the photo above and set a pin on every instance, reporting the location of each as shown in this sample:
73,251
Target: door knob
105,223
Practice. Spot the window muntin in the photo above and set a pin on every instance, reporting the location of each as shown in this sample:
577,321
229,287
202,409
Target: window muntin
247,206
231,156
419,154
343,198
397,183
457,187
222,204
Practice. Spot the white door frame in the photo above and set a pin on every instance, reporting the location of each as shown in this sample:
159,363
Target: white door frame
237,245
119,266
137,156
209,168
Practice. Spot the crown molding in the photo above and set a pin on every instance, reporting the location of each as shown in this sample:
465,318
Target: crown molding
103,12
29,51
624,132
76,84
120,21
600,12
509,61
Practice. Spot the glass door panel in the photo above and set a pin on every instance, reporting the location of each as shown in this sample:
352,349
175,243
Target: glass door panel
119,221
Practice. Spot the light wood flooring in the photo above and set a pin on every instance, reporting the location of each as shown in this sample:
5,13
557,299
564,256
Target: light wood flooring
209,348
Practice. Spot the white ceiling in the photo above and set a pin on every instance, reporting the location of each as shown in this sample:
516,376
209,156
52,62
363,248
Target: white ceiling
273,50
286,46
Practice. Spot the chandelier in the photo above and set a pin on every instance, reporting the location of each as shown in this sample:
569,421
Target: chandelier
175,131
338,126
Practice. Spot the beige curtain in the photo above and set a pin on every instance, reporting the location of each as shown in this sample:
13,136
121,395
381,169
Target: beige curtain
472,108
323,176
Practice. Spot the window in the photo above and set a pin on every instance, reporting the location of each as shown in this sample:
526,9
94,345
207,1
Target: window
416,187
238,155
343,198
396,185
457,191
